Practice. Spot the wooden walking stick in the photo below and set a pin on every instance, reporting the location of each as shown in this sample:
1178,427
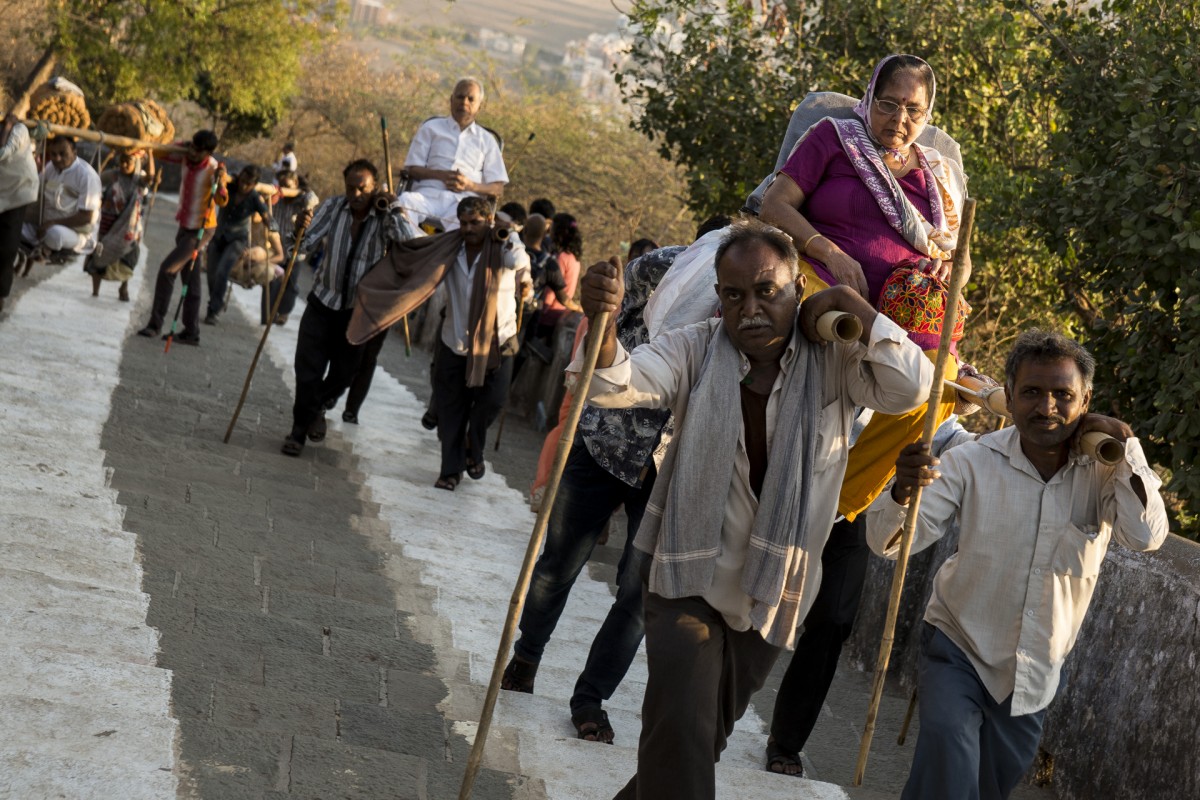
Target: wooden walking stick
387,168
957,279
283,282
595,338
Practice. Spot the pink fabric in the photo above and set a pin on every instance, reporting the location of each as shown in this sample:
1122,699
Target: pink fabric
552,309
196,207
842,208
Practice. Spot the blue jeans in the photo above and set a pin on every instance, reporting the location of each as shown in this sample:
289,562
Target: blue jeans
969,746
222,255
587,497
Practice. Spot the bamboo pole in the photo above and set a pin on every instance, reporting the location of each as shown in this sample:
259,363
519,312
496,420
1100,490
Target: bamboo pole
110,139
595,338
287,276
957,280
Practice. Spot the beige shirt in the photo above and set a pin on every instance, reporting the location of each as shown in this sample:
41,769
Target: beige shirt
460,279
889,375
1029,551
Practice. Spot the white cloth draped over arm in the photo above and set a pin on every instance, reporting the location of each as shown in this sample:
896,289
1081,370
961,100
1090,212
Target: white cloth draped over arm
893,376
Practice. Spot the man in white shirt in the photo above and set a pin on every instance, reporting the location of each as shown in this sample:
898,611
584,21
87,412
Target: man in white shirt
70,205
288,162
747,491
473,364
1035,518
451,158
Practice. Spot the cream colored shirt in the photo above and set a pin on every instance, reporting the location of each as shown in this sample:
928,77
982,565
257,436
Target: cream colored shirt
1029,551
458,282
890,375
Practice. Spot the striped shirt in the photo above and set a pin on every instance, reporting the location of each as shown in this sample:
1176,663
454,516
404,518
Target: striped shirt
346,261
285,213
197,206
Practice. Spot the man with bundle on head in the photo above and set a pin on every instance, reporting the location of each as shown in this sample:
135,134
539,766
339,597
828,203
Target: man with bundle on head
357,229
1035,518
64,224
746,494
201,191
452,158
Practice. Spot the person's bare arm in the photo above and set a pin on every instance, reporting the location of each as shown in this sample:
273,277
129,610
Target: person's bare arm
781,208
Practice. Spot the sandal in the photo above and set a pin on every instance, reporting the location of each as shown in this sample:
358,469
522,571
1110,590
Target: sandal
447,482
519,675
591,724
292,447
779,761
476,471
318,428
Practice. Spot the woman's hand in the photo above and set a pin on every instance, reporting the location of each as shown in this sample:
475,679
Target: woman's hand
844,269
935,268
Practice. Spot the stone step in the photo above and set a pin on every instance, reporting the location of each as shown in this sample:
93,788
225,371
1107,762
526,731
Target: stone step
70,565
108,544
31,773
46,673
22,589
139,742
77,630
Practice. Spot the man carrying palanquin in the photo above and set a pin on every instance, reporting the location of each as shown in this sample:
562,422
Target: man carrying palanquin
746,494
1035,517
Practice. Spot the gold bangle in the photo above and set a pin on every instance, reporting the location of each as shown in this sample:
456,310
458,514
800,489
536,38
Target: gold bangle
808,241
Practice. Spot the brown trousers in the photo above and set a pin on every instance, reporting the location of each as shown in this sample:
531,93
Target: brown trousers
702,675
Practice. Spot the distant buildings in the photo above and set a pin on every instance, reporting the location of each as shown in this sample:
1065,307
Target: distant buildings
369,12
589,65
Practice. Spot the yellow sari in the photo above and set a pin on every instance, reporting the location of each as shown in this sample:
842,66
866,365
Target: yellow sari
872,460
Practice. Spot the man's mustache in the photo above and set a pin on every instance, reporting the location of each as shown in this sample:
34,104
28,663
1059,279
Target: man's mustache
758,321
1052,418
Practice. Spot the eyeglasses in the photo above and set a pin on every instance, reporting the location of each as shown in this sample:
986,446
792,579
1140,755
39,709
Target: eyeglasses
888,108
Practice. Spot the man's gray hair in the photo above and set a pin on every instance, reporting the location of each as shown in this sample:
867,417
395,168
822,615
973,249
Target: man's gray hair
749,230
1042,346
473,80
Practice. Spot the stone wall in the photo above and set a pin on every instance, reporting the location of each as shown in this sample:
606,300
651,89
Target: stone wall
1126,722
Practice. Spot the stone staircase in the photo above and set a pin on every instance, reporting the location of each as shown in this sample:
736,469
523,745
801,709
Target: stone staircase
86,709
463,551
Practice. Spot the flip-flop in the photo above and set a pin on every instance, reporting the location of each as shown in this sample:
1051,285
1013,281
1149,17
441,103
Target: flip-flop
777,756
476,471
591,724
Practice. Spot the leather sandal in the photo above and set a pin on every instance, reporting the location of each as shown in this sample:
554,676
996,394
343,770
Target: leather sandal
519,676
591,725
779,760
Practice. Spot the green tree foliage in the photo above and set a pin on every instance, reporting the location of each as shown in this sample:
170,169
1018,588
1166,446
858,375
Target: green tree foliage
715,87
1121,207
238,59
608,176
1079,128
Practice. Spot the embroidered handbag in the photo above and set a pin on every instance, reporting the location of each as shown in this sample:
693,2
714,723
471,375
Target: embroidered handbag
916,301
